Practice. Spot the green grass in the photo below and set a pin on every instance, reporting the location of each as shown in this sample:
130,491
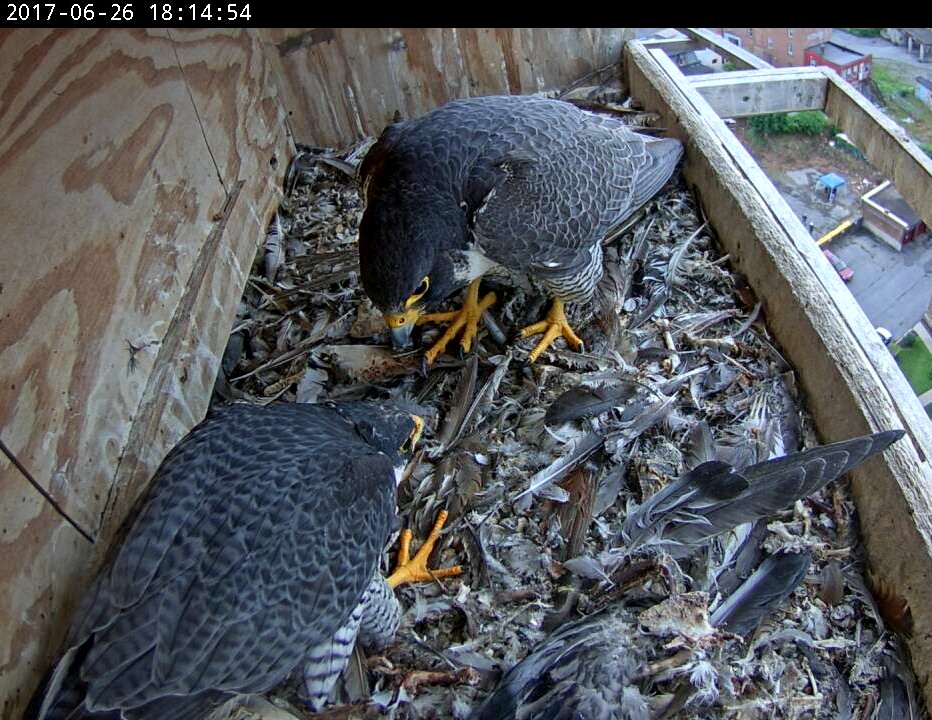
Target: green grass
863,32
895,83
807,122
915,360
889,83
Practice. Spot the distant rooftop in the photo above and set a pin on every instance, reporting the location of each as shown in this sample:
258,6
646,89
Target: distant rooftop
890,199
695,68
698,62
835,53
923,35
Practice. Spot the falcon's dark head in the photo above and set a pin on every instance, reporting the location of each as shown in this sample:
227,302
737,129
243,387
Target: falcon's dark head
386,428
405,239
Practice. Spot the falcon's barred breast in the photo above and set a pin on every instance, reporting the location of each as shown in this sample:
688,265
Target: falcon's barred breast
257,552
520,185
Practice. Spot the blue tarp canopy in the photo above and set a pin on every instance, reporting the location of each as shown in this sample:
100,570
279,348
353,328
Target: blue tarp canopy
831,181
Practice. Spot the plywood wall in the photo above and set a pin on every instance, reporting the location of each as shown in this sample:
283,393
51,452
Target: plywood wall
341,84
137,173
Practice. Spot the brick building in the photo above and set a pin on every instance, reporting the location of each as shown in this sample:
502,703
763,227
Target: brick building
781,47
889,216
851,65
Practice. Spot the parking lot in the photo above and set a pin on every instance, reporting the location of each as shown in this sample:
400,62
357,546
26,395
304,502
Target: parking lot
894,288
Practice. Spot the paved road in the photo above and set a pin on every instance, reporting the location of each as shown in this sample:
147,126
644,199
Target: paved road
894,288
800,190
881,48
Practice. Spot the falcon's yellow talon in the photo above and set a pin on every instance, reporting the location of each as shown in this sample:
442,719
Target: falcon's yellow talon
556,324
415,569
466,318
535,329
438,317
404,547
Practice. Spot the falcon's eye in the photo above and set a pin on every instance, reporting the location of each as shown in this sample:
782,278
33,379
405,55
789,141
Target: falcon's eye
419,293
409,443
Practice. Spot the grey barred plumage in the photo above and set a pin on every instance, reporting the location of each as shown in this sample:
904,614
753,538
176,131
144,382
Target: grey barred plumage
381,614
325,661
530,184
374,621
252,554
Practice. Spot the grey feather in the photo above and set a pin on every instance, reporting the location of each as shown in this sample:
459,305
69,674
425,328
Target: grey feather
583,402
586,669
714,497
772,583
274,248
698,445
580,450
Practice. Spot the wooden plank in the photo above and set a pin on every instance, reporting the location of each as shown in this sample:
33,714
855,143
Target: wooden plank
233,85
738,55
759,92
851,381
883,142
114,173
101,201
341,84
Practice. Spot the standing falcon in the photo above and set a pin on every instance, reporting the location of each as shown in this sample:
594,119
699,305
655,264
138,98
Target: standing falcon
521,186
256,554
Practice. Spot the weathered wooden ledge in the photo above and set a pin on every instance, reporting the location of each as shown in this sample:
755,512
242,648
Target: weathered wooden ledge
852,383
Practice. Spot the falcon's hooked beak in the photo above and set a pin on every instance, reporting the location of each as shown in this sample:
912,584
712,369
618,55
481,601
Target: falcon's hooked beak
411,441
418,430
401,325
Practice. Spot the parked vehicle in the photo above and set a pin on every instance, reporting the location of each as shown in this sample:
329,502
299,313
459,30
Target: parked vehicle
844,272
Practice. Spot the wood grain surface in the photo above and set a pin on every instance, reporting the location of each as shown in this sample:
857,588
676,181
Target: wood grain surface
852,383
138,171
341,84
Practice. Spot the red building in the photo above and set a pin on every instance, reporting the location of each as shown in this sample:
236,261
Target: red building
781,47
852,66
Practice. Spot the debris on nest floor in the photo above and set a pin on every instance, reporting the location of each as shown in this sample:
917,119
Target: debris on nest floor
539,465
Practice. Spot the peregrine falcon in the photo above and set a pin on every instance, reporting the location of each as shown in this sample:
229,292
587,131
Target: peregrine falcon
256,554
524,187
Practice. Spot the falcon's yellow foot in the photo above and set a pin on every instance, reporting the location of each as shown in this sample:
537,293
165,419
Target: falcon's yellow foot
555,324
467,318
408,569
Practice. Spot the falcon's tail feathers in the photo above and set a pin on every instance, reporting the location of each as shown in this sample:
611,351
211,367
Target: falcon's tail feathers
665,154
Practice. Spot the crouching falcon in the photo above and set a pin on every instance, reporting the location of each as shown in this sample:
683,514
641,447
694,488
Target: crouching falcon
255,555
521,186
